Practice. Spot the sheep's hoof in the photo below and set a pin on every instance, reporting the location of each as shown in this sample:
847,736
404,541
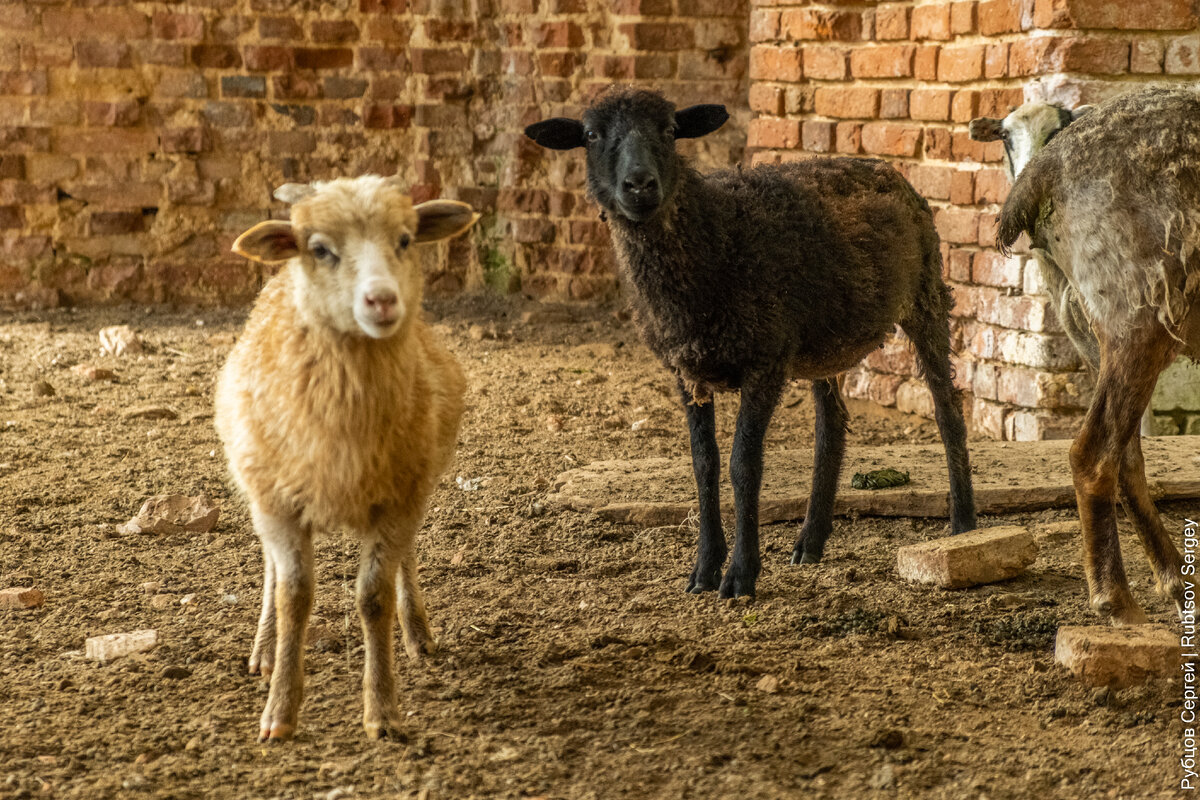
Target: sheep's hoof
738,584
384,725
708,581
801,557
1119,616
279,732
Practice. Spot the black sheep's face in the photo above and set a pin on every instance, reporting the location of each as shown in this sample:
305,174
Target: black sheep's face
632,166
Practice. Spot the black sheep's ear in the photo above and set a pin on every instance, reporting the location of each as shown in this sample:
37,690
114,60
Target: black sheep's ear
559,133
695,121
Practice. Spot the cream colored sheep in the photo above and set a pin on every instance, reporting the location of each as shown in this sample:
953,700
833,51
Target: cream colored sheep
338,410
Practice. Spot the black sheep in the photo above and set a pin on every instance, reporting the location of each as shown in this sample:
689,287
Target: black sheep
744,279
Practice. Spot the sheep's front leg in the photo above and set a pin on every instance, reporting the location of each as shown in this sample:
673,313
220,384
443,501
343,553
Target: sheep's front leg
759,398
289,549
414,620
828,450
706,465
376,600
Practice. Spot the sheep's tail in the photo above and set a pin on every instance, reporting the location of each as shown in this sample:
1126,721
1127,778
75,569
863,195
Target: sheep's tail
1024,204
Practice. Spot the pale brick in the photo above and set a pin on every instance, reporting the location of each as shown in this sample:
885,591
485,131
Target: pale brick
115,645
21,598
914,397
969,559
1100,655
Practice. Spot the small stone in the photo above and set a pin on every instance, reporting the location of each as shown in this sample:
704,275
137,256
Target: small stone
160,602
43,389
229,599
187,600
1117,658
969,559
477,333
638,424
173,513
150,412
554,423
152,587
1055,532
176,673
193,744
768,684
21,598
115,645
118,340
92,374
883,777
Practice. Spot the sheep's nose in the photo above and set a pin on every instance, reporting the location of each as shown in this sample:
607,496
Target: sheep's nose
641,181
381,301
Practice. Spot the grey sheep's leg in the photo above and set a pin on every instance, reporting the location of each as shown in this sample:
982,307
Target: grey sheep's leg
706,465
760,395
828,450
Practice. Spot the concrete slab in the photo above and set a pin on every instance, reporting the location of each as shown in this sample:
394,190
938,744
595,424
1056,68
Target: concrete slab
1009,477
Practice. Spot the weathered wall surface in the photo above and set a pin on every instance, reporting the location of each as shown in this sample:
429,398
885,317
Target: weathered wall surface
900,80
138,139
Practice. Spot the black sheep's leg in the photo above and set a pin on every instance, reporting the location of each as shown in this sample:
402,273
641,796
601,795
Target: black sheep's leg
706,464
759,398
828,450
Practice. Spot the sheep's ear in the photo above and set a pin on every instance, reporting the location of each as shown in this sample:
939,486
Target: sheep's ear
695,121
268,241
559,133
441,219
985,129
293,192
1081,111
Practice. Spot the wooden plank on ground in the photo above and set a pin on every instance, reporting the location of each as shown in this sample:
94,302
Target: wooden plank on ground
1008,476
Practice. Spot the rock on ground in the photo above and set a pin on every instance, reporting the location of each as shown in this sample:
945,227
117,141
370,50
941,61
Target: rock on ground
118,340
21,598
173,513
1101,655
115,645
983,556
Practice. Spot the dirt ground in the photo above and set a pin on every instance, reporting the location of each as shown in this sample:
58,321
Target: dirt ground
573,665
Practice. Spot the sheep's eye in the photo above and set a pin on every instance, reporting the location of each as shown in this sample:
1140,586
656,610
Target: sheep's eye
1003,134
591,135
405,241
322,253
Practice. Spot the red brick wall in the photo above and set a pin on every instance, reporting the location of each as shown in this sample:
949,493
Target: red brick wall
900,80
137,140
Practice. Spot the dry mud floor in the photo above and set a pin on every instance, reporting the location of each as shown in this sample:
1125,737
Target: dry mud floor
573,665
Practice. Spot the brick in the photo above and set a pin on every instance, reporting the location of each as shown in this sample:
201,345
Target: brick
999,102
78,23
884,61
999,16
937,144
382,59
929,104
31,82
962,186
216,56
766,99
817,136
338,88
658,36
957,225
1183,56
645,8
268,58
849,137
764,25
847,102
1077,54
771,63
284,28
991,186
1100,655
333,31
243,86
891,22
116,645
925,63
1147,55
524,201
826,63
291,142
103,54
914,397
1110,14
323,57
182,84
931,181
965,106
433,61
893,103
995,60
382,115
957,266
21,598
108,223
771,133
983,556
559,34
166,25
184,140
931,22
388,29
228,115
12,167
957,64
383,6
821,25
891,139
962,17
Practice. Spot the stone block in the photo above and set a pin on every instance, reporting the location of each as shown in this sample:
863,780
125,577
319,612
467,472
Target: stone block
983,556
1100,655
115,645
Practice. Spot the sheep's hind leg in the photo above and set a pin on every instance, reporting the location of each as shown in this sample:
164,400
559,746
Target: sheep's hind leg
1164,558
931,339
1099,456
414,620
706,466
291,555
376,601
262,656
828,450
759,398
